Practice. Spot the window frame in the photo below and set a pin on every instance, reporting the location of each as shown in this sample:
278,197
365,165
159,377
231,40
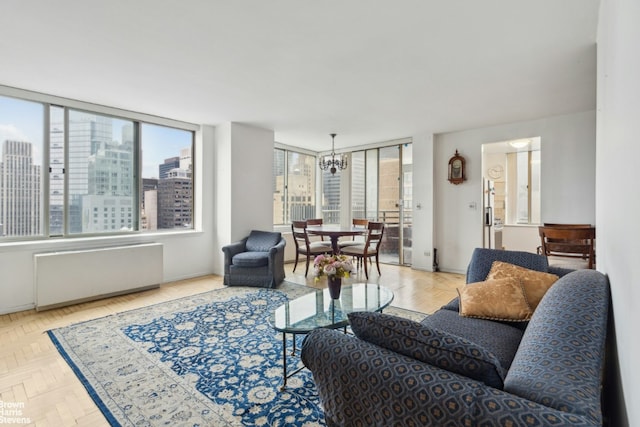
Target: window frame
138,119
287,150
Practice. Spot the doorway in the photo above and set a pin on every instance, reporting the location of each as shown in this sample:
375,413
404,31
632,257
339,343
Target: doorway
511,193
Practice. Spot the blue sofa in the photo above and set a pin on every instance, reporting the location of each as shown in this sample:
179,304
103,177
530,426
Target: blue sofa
451,370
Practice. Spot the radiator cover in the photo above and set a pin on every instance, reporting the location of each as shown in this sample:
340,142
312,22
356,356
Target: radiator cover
68,277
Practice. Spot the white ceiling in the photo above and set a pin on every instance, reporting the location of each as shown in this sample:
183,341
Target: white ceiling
368,70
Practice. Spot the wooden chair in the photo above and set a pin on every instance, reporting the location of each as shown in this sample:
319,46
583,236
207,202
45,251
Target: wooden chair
304,246
355,240
371,247
315,221
573,241
551,224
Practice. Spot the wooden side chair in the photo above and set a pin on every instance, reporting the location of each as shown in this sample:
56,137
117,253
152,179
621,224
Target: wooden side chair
304,246
315,221
371,247
355,240
572,241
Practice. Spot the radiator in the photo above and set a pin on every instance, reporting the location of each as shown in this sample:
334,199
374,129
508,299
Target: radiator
63,278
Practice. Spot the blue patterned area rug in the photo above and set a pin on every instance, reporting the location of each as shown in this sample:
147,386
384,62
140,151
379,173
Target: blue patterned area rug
206,360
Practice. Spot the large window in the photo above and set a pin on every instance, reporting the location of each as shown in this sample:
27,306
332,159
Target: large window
294,186
106,174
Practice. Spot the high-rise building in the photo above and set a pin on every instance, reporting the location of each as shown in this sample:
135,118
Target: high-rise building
149,205
56,175
108,203
87,134
185,158
19,190
170,163
175,199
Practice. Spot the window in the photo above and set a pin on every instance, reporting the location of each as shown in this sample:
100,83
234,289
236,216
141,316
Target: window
167,176
21,142
524,169
331,197
99,170
294,186
93,166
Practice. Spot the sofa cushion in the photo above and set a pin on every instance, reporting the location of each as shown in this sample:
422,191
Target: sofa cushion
262,241
499,299
420,342
251,259
535,283
500,339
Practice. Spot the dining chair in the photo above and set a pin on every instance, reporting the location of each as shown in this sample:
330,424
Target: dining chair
370,248
572,241
315,221
355,240
304,246
552,224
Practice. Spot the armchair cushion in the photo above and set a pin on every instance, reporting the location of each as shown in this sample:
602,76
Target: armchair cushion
251,259
428,345
262,241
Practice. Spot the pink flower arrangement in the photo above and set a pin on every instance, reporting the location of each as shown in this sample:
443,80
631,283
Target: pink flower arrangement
331,265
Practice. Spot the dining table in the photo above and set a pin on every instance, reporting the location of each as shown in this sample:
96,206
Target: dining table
334,232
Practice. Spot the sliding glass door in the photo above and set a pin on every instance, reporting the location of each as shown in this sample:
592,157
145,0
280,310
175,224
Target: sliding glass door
381,184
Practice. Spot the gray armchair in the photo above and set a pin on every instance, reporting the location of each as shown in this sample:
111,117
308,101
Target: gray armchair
256,260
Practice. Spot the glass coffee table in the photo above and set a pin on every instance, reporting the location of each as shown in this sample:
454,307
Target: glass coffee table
317,310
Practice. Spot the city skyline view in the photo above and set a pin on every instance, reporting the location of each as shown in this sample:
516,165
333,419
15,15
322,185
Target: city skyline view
91,171
22,120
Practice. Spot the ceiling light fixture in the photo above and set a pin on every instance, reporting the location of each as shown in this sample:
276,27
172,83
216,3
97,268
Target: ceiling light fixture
334,164
519,143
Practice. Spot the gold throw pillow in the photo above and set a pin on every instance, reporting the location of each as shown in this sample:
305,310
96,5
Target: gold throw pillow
500,299
535,283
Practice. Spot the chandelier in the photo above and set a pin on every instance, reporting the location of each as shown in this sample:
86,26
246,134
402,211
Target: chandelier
334,164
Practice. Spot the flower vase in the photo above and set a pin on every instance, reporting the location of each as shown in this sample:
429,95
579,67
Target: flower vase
335,284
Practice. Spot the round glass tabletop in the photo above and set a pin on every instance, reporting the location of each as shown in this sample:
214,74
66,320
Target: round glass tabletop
317,309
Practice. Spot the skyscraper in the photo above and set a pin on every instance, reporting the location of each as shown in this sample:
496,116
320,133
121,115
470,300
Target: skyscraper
175,199
170,163
108,204
19,190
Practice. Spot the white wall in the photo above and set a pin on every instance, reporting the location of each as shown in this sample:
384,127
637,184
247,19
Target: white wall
422,233
243,184
568,181
186,254
618,199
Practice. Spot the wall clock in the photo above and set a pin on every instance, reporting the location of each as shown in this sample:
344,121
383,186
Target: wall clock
456,169
495,172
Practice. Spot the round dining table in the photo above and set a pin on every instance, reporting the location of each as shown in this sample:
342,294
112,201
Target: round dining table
334,232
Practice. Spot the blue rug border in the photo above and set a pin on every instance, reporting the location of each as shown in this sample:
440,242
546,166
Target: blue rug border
92,392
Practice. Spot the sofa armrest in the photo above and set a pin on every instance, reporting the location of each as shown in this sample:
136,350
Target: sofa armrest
232,249
363,384
276,258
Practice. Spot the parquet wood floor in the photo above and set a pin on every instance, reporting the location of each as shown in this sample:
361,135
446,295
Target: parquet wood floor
34,376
